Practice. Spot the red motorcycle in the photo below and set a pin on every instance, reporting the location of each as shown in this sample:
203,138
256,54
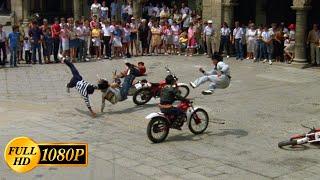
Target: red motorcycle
160,123
149,90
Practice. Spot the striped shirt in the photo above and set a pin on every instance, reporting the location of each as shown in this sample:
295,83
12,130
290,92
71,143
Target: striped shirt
82,89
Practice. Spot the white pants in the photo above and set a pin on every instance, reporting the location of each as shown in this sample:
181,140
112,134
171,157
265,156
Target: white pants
221,82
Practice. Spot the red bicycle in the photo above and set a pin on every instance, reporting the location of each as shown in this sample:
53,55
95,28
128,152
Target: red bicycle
312,136
160,123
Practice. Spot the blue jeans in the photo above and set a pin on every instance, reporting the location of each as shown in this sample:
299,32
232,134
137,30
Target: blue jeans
35,47
13,56
75,75
126,85
260,53
268,51
239,49
224,45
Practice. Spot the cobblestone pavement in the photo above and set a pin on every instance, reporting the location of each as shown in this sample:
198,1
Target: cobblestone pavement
263,105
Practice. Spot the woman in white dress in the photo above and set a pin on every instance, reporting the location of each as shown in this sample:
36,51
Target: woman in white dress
251,41
175,38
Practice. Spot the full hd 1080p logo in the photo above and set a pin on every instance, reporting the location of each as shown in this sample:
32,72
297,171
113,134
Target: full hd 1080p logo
22,154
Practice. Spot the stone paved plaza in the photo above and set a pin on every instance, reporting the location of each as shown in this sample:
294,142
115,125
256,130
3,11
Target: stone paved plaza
263,105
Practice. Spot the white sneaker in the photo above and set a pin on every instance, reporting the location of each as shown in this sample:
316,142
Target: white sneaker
205,54
270,62
207,92
192,85
186,55
87,59
228,56
264,60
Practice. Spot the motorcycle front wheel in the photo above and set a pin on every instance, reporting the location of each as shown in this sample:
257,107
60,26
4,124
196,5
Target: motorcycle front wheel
184,91
199,121
142,96
158,129
291,142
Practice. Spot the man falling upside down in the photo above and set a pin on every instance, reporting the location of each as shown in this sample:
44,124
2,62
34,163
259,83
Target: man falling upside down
219,77
83,87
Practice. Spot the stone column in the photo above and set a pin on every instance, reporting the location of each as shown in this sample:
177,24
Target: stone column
261,17
301,7
26,9
137,8
76,9
228,11
16,11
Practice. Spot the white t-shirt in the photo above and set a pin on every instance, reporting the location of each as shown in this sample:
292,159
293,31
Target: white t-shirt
185,10
26,45
251,34
175,30
225,31
80,32
238,33
208,31
266,36
129,10
95,8
157,11
150,11
107,30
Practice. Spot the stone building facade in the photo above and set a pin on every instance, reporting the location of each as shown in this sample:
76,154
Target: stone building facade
217,10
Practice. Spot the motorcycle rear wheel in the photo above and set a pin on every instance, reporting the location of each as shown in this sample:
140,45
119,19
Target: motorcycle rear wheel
198,124
184,91
144,94
156,125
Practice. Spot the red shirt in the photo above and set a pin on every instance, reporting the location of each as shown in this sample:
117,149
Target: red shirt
55,29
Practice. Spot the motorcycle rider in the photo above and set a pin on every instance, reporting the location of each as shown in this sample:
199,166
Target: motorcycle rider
129,75
219,76
169,94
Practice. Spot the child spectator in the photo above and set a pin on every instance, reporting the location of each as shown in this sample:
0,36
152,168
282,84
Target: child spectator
192,43
96,40
183,41
27,50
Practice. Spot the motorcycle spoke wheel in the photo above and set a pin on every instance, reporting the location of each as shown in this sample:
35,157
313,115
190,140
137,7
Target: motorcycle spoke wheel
158,130
199,121
142,96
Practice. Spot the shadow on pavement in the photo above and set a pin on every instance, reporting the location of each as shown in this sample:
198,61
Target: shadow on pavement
235,132
132,109
302,147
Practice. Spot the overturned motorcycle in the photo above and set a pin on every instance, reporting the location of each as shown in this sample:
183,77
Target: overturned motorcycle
146,90
160,123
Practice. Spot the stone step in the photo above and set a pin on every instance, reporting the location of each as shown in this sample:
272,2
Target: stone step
5,19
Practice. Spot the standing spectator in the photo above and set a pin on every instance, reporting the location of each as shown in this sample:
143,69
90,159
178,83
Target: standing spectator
94,22
177,16
313,41
126,41
47,41
47,45
87,41
184,9
129,10
134,36
186,20
3,46
124,12
150,11
268,46
80,32
104,11
114,7
55,31
192,43
237,40
225,39
116,41
107,30
27,50
36,37
73,42
156,12
14,39
144,35
251,41
259,52
176,31
209,37
168,39
64,35
21,38
95,9
278,46
96,40
155,38
289,50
